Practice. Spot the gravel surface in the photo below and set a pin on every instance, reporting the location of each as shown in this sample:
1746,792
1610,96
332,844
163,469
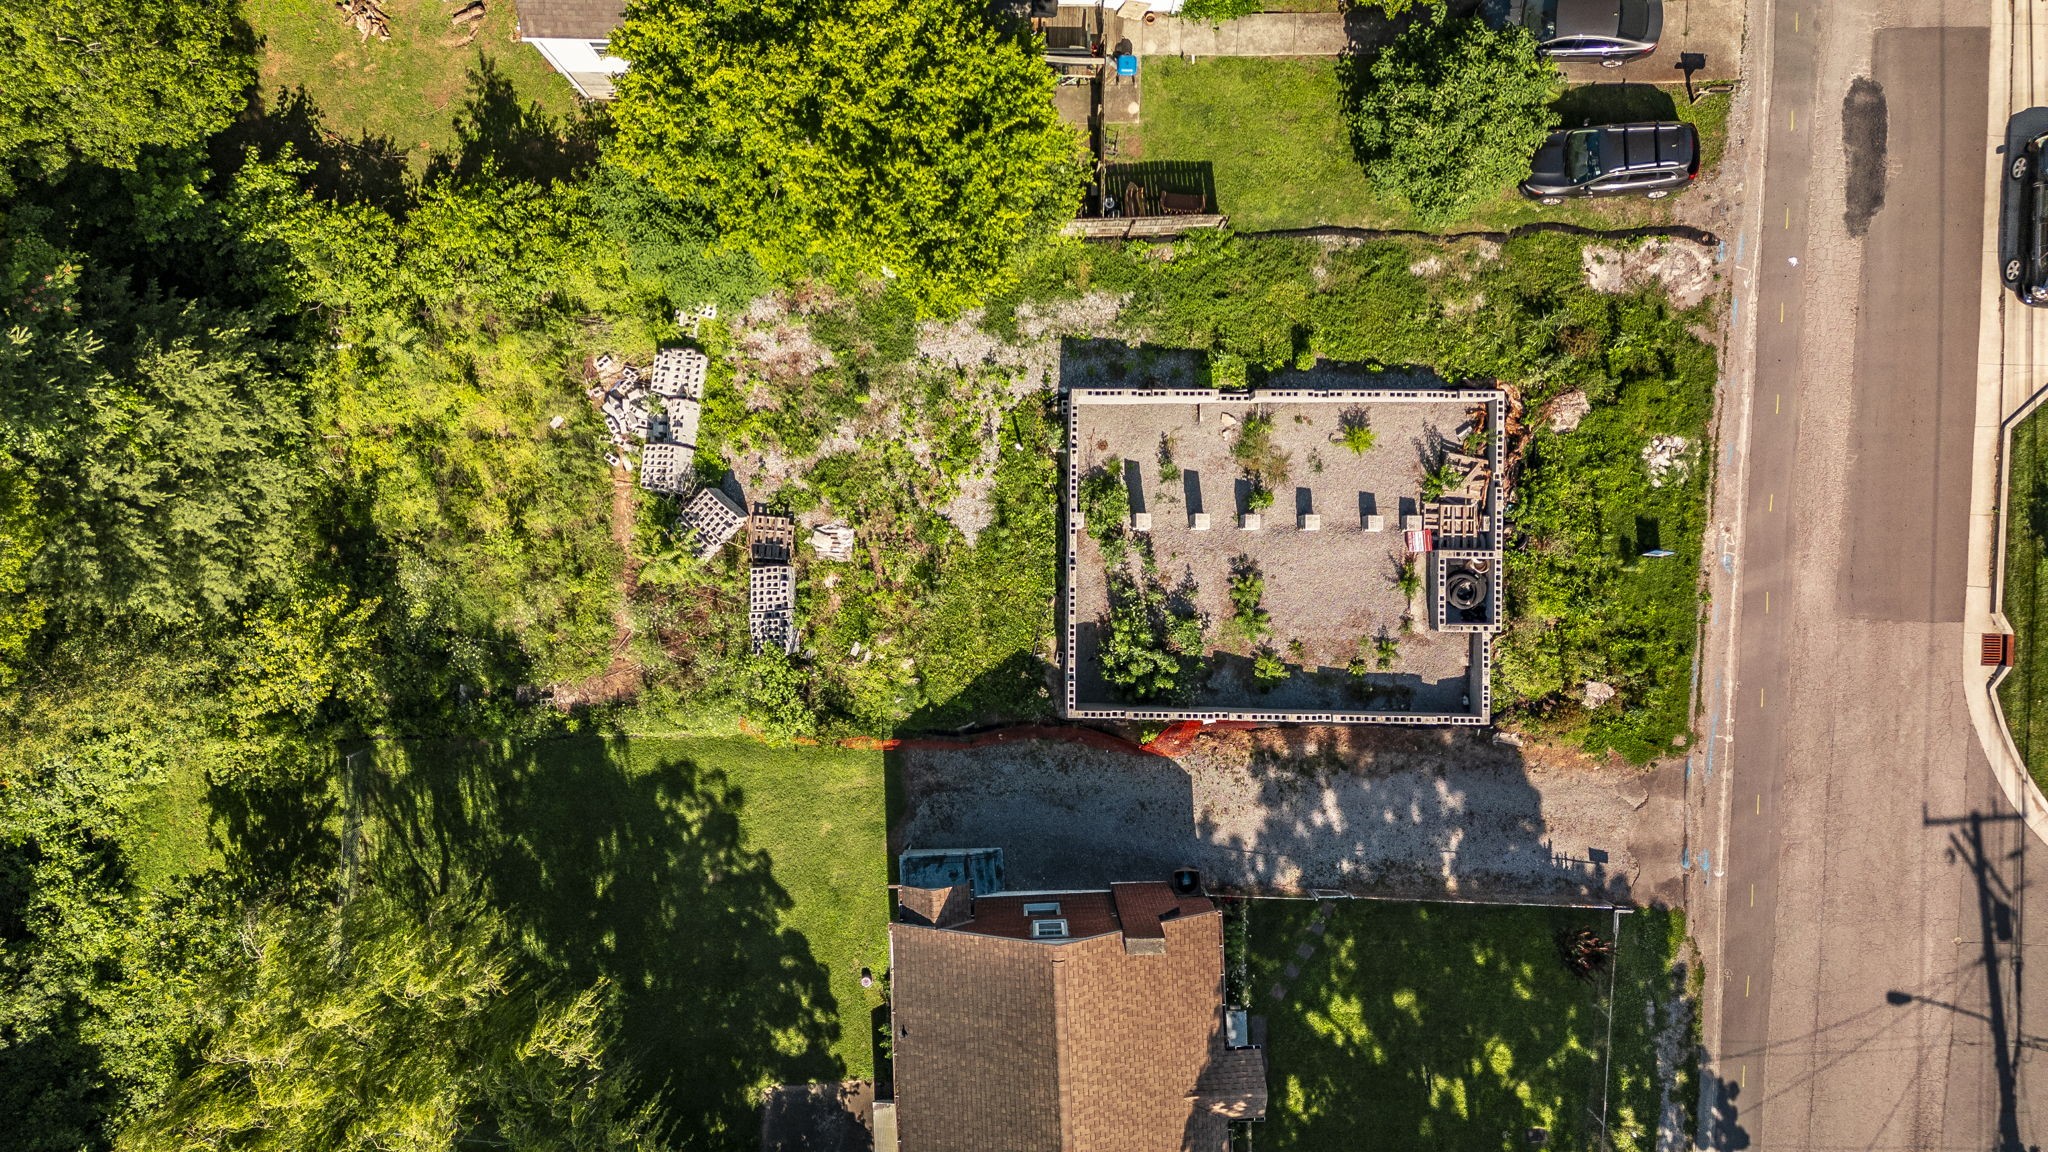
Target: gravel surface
1375,811
1328,592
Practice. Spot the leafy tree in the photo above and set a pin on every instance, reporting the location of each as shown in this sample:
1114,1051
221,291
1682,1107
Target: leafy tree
297,653
498,247
96,966
878,138
158,434
1451,112
101,80
371,1027
21,542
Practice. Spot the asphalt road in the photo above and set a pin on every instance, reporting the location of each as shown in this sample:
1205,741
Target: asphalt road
1871,898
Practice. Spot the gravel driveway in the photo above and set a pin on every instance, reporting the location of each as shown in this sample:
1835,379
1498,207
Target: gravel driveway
1371,811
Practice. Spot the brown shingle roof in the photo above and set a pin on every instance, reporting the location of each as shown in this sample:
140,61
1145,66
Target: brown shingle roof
938,907
1073,1046
570,19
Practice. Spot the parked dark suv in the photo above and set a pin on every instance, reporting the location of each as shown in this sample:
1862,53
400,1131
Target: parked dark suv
1613,32
2026,266
1653,160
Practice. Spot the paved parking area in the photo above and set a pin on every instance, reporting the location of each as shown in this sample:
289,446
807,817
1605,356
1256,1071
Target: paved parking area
1710,30
1423,812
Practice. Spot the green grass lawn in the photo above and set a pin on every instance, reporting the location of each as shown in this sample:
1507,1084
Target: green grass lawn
1282,157
405,89
2024,597
1451,1027
731,893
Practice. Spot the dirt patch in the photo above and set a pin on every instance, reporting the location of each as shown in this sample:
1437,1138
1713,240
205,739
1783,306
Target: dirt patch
1092,315
1377,811
1685,268
962,343
774,344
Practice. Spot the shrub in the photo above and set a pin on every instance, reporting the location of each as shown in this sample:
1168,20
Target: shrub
1148,649
1217,11
1228,370
1105,502
1356,432
1408,578
1247,590
1268,670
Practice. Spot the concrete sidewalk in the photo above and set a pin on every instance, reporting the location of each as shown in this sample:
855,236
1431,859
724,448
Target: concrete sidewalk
1260,34
2012,356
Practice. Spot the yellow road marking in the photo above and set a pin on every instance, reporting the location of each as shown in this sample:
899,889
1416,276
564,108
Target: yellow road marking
1788,217
1795,21
1745,986
1752,895
1773,505
1759,697
1767,602
1781,311
1778,405
1742,1081
1759,803
1794,114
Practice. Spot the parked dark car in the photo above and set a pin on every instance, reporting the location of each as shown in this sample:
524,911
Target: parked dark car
1613,32
1653,160
2026,266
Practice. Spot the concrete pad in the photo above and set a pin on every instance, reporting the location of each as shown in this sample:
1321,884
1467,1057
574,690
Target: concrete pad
1711,29
1260,34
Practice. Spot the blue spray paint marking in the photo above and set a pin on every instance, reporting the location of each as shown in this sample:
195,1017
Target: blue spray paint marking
1713,728
1721,252
1707,866
1685,859
1740,238
1735,311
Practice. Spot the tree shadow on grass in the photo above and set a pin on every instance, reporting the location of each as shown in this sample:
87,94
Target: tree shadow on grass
1428,1025
495,132
366,170
1590,104
640,877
